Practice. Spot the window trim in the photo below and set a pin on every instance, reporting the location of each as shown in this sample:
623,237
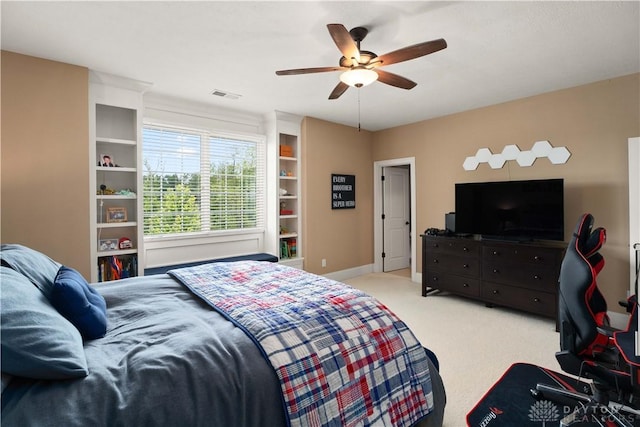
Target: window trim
259,139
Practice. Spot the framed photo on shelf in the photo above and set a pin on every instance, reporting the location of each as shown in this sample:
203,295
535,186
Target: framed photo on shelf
117,215
108,245
106,160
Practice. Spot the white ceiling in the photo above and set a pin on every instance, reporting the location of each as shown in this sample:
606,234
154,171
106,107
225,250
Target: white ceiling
497,51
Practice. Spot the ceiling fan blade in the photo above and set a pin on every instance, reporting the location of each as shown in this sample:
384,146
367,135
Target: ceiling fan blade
411,52
395,80
309,70
344,41
338,90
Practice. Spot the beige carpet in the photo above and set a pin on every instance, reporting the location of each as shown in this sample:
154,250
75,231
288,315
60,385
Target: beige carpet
474,344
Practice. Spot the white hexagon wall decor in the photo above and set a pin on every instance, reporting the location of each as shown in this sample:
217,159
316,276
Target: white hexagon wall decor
470,163
483,155
559,155
496,161
526,158
510,152
556,155
541,149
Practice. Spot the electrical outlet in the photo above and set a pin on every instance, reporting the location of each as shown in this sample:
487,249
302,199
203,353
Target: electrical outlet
324,262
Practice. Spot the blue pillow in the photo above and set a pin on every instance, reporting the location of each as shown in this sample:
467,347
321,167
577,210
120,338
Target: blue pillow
35,266
82,305
35,340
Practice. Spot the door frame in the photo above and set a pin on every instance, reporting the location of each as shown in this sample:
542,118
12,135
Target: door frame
377,211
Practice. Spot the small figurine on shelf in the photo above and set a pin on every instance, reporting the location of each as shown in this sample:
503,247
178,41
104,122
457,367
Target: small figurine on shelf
125,243
283,172
104,190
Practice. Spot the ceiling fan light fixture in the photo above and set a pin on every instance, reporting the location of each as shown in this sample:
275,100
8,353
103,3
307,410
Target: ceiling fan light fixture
358,77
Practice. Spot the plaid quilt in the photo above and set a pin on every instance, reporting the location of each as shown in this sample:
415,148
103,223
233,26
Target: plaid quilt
343,358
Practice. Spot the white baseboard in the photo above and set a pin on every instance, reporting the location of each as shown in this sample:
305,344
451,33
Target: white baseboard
350,273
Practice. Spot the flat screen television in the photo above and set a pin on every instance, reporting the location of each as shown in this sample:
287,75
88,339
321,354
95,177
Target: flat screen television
511,210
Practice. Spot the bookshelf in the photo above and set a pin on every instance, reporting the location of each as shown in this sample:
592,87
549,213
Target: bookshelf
115,109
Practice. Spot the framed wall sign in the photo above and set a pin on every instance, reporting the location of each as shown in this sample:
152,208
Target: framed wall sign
343,191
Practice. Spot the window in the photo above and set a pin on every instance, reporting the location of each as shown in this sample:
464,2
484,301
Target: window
199,181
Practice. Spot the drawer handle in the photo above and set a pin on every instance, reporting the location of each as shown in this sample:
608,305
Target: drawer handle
435,261
495,270
434,278
537,258
465,285
496,253
465,265
495,292
536,300
535,276
435,245
465,249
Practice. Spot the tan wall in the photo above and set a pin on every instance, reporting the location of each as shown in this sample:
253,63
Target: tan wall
44,159
344,237
593,121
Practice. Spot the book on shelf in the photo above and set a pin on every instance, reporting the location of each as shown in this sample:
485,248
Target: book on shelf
288,248
116,267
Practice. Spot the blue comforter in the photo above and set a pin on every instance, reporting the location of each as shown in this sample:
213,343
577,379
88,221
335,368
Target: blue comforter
167,359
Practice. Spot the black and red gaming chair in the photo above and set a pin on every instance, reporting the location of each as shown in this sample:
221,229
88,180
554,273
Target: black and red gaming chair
588,347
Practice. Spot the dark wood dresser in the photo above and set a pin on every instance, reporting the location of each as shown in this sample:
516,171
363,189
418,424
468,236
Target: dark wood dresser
517,275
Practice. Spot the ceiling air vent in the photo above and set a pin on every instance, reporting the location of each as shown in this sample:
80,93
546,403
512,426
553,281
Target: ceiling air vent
224,94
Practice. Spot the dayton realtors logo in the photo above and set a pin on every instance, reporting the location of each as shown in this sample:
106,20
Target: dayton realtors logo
544,411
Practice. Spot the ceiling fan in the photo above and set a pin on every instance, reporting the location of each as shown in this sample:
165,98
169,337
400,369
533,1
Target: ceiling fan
362,67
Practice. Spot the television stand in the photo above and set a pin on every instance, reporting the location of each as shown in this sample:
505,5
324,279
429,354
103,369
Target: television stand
523,276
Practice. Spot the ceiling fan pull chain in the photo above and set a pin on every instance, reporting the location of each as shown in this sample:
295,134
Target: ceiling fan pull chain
358,89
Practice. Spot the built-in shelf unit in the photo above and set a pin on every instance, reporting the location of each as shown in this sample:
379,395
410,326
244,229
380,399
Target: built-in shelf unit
115,109
288,207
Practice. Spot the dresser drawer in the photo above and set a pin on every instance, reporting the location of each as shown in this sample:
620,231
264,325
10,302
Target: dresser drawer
464,266
452,246
543,303
537,277
534,255
452,283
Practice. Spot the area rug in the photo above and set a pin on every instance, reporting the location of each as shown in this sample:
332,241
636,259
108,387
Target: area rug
509,403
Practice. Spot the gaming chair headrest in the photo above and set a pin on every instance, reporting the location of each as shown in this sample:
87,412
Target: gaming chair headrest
588,242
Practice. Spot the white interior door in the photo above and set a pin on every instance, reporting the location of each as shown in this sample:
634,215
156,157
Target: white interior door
397,219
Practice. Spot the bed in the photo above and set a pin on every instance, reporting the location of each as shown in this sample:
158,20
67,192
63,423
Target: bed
186,348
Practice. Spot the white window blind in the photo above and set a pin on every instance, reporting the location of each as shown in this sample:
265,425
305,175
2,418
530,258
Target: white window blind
199,181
